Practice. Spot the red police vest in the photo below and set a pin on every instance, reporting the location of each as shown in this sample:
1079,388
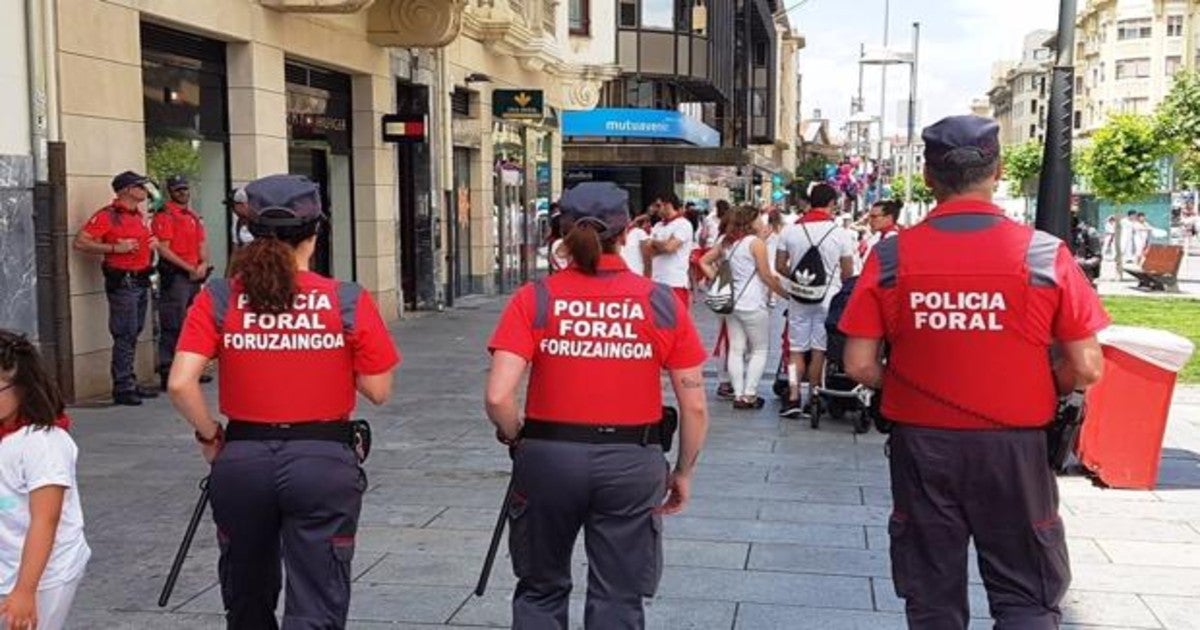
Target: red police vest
967,352
597,345
184,231
114,223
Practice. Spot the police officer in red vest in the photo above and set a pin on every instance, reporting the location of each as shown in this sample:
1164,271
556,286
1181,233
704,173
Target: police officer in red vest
119,232
986,322
588,454
182,266
293,348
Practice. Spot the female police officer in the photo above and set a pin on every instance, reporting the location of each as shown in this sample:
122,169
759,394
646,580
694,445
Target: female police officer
595,338
292,348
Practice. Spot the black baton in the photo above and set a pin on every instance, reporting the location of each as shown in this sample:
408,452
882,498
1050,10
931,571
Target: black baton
184,545
495,545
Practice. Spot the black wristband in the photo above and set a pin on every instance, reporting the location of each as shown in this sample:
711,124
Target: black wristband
219,437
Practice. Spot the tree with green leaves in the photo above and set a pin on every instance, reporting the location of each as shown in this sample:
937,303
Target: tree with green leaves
1122,162
1023,168
920,192
812,169
1177,122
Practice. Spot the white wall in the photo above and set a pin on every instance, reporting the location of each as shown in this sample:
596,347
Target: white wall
600,46
14,80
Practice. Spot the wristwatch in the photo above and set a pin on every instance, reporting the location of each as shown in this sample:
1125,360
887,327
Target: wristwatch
216,439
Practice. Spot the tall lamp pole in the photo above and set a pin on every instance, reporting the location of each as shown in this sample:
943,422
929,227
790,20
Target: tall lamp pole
912,113
1054,191
887,16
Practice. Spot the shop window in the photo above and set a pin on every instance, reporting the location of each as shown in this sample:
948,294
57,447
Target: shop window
578,17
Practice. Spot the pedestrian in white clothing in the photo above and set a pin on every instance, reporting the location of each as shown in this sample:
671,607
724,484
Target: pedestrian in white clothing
752,281
42,549
815,257
1126,238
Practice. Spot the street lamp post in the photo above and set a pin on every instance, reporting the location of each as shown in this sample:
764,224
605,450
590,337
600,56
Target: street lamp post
912,113
887,57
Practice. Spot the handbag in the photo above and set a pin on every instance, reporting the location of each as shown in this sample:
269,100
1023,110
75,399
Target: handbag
721,298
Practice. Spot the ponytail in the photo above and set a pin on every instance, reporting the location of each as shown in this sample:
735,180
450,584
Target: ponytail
583,244
267,266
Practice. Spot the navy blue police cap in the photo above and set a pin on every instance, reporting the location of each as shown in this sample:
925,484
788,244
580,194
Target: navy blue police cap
175,182
127,179
283,201
602,204
959,142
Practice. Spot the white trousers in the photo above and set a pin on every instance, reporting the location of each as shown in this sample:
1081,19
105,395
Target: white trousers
54,604
749,332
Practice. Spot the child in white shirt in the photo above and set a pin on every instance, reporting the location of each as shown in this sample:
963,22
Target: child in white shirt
43,552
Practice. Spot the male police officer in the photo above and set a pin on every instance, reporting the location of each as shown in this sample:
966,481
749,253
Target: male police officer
963,297
182,266
118,231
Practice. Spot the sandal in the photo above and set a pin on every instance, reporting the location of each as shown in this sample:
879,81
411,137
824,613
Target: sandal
742,403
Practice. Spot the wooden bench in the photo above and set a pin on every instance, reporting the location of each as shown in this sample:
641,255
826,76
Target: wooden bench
1159,270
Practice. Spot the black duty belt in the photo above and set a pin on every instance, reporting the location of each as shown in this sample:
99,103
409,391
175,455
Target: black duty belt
143,274
642,434
324,430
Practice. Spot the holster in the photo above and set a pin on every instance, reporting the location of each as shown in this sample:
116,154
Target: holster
670,422
1063,433
361,439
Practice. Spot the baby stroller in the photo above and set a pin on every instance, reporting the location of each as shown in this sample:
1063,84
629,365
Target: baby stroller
839,395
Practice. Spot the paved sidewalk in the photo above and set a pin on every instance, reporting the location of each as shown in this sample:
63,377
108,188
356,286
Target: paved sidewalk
787,529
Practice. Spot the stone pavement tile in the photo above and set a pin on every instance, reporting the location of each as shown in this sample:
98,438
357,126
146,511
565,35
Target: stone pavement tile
842,473
491,477
797,512
1130,528
1175,613
662,613
1079,549
879,496
768,587
406,603
704,553
821,560
820,493
730,473
759,616
91,620
129,576
1155,510
490,496
457,543
735,530
1178,495
378,511
1157,554
1119,578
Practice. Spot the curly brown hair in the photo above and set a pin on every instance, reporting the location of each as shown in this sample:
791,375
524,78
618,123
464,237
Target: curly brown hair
41,403
267,266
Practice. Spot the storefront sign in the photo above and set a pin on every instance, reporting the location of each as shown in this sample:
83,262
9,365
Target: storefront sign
659,124
518,104
400,128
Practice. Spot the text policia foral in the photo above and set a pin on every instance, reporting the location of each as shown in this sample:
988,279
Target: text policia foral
597,330
301,329
957,310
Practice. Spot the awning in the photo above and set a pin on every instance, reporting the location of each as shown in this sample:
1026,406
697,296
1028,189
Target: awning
657,155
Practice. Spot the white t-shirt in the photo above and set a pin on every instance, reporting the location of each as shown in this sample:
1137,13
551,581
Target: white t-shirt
30,459
710,231
748,289
632,250
672,269
836,246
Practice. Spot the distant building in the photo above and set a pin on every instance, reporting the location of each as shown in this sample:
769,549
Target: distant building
1020,91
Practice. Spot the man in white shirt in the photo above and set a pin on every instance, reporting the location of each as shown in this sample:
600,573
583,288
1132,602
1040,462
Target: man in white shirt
669,247
812,281
1126,240
631,251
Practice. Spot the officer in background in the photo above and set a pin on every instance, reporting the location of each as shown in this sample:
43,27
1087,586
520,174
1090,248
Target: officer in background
959,299
595,339
182,266
293,348
120,233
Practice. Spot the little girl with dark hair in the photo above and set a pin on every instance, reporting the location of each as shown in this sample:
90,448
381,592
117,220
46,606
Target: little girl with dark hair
43,552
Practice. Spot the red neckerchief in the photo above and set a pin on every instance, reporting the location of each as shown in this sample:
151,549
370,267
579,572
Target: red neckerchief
63,422
813,216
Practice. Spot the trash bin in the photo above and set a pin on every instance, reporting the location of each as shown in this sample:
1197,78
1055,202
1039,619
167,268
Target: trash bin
1121,441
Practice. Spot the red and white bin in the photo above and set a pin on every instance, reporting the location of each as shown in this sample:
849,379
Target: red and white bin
1122,436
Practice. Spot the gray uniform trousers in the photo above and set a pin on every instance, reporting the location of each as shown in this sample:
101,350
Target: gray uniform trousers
127,305
612,492
995,487
176,292
301,497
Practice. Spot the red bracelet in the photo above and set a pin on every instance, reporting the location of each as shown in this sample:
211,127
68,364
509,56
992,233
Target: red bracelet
216,439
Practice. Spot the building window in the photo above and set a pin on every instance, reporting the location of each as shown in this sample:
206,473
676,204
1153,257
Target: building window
549,19
1033,106
1133,68
658,14
1173,65
1103,74
1032,131
578,17
629,13
1140,28
1078,85
1174,26
760,54
1079,120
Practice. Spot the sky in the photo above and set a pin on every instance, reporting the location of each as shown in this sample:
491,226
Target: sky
960,40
